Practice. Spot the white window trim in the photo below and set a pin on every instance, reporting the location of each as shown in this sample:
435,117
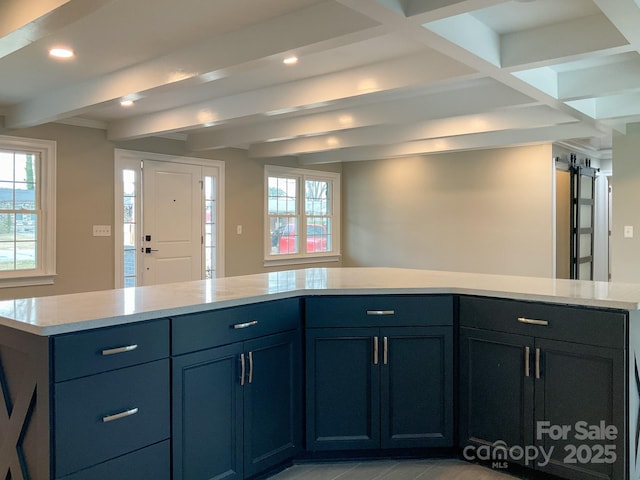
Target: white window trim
44,275
132,160
303,258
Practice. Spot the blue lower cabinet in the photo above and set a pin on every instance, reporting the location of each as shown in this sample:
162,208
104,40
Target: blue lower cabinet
371,388
342,390
207,415
273,428
150,463
548,380
102,417
416,387
237,408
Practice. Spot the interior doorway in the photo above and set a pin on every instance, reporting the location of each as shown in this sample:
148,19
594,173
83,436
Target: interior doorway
582,216
169,214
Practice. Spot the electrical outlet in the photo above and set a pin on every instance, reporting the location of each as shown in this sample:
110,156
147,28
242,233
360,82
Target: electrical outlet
102,230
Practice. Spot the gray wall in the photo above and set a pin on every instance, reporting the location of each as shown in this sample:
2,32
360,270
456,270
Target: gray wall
481,211
85,178
485,211
625,252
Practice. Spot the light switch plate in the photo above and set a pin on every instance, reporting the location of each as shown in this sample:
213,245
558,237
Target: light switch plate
102,230
628,231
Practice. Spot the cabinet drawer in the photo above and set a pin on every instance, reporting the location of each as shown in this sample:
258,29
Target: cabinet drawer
90,420
199,331
150,463
378,310
558,322
94,351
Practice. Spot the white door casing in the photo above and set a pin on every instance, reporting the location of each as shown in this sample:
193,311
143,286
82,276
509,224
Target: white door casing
169,207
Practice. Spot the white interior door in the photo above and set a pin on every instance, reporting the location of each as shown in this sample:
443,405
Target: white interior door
172,217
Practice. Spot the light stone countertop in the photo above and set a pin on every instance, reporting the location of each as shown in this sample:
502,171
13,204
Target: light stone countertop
74,312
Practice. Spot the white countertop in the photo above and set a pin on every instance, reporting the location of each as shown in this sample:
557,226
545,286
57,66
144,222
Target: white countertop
67,313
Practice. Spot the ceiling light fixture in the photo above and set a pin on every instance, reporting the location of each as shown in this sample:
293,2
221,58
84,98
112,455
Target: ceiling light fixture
126,103
60,52
292,60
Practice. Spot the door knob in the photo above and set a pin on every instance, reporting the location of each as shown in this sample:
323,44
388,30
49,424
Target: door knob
149,250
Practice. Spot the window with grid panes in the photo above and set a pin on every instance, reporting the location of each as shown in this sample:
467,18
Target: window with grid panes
27,211
302,215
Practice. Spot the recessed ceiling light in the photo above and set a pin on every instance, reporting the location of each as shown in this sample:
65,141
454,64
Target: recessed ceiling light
59,52
292,60
126,103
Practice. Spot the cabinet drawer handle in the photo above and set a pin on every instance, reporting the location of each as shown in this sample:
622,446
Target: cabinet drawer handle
532,321
118,416
113,351
245,325
381,312
527,366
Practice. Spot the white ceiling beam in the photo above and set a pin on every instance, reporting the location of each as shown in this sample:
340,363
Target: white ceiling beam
412,71
496,139
468,32
514,118
617,106
430,10
448,7
203,62
16,14
625,15
466,98
23,23
506,77
560,42
598,81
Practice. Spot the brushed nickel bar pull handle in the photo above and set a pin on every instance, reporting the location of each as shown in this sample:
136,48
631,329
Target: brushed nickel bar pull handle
381,312
385,351
242,369
114,351
537,363
527,362
375,350
118,416
250,367
245,325
532,321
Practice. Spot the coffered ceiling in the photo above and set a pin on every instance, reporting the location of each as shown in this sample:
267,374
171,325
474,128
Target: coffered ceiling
373,78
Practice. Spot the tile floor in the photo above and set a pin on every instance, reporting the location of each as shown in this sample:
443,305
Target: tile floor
429,469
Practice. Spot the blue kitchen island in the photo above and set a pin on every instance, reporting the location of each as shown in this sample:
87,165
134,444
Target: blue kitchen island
234,377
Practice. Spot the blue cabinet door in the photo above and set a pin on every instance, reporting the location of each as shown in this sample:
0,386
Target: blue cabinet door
580,388
496,388
416,390
207,415
272,401
343,389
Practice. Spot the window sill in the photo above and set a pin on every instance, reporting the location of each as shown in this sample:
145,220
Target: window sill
26,281
276,262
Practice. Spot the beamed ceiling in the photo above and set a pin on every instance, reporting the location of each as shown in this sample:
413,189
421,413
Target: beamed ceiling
374,78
